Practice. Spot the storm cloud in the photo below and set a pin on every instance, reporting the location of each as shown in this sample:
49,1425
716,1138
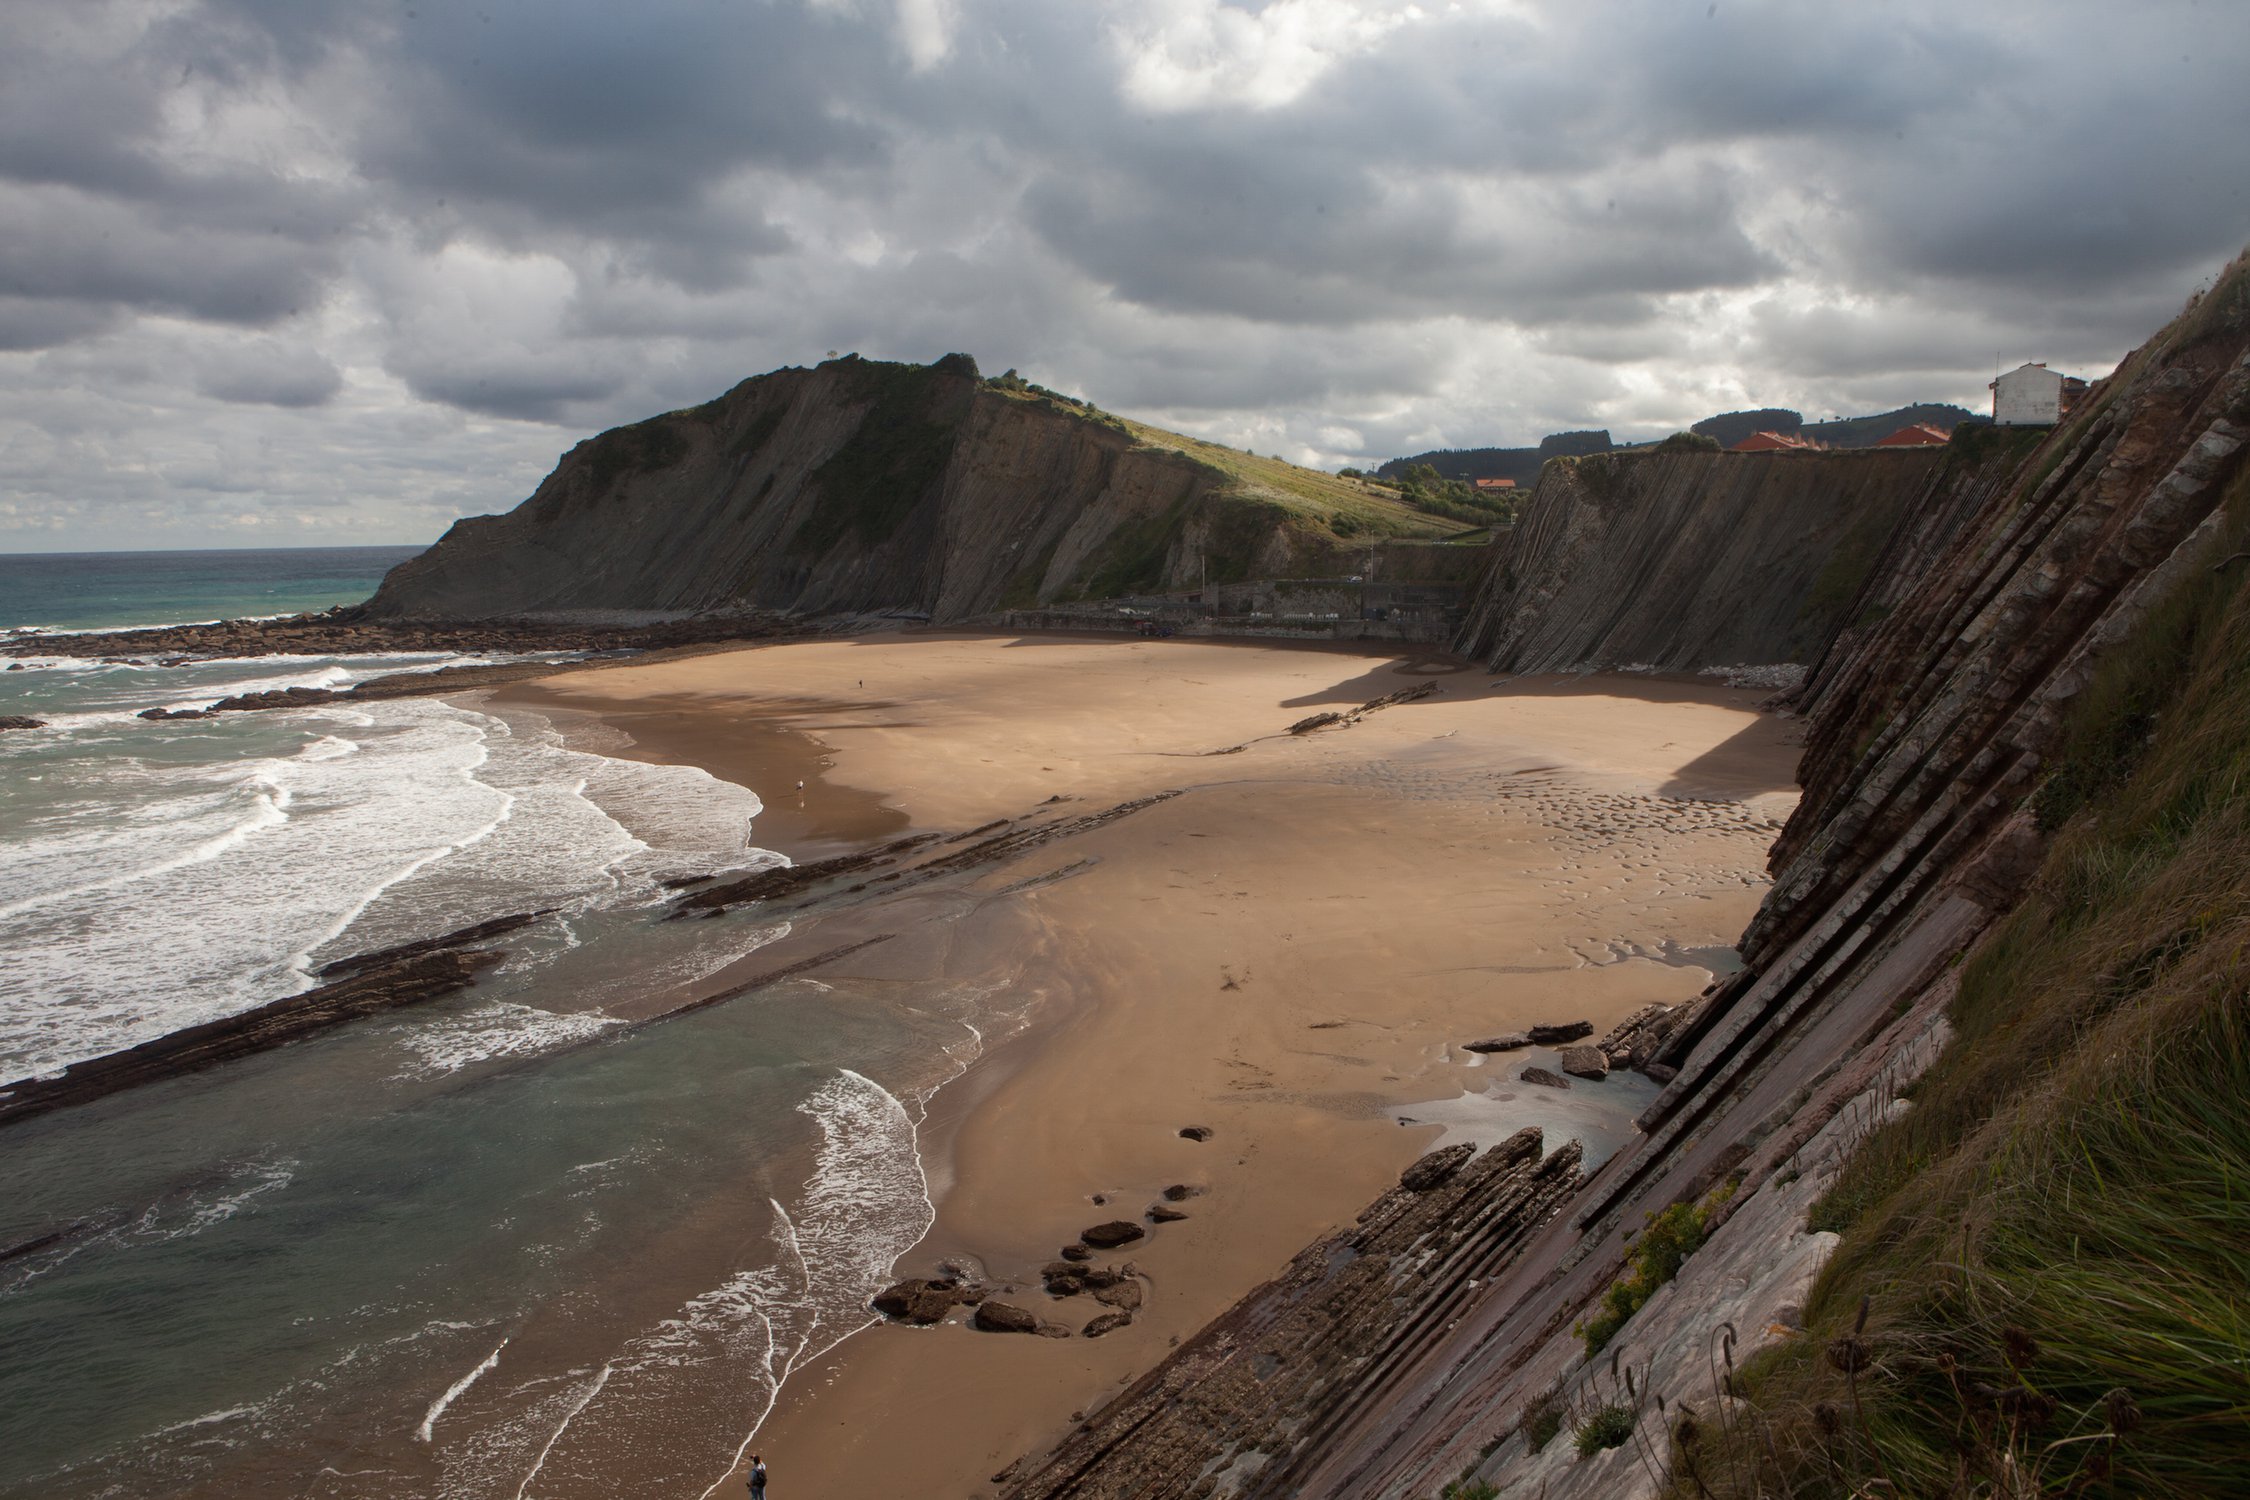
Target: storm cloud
342,270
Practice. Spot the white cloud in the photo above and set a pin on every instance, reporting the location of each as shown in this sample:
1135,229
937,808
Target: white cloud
355,267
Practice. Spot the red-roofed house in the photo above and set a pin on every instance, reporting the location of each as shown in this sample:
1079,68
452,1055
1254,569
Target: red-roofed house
1919,435
1771,442
1495,484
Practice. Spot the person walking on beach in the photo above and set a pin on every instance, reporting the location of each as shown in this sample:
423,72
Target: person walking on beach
757,1478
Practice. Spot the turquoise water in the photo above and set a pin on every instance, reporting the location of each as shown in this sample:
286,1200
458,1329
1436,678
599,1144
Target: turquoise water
106,590
509,1242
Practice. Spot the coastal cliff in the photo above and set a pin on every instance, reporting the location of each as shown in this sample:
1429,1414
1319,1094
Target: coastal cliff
1942,1189
1682,560
866,486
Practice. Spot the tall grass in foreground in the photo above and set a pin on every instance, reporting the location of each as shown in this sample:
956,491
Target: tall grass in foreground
2044,1281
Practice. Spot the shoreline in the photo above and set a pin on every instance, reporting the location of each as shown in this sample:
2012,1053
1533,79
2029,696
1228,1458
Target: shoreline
1013,1149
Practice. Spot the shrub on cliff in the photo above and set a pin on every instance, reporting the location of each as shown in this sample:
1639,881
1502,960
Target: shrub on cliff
1689,442
1670,1238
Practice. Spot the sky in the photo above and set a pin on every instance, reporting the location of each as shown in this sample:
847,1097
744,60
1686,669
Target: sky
316,272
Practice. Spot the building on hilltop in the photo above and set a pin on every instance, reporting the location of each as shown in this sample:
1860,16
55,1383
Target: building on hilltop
1917,435
1774,442
2034,396
1489,485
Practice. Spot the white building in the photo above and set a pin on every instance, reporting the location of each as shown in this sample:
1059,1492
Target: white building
2033,396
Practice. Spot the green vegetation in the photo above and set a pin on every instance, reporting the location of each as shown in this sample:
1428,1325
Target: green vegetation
1542,1418
872,483
654,444
1658,1251
1456,499
1689,442
1466,1488
1321,502
2041,1288
1009,383
1608,1426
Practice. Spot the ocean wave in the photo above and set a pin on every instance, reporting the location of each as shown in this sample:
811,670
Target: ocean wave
360,828
497,1030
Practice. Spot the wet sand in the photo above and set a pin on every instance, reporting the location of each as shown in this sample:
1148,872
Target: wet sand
1290,951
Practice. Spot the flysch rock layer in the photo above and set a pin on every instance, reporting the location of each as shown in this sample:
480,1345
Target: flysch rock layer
855,486
2019,560
1688,561
1235,1405
1929,729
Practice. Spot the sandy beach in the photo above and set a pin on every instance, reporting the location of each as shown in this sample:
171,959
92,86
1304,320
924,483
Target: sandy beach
1289,950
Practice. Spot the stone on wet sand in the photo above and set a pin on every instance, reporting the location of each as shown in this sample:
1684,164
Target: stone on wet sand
1556,1033
1125,1296
1108,1322
1195,1132
1506,1041
1585,1062
1544,1078
1004,1317
1116,1232
1164,1213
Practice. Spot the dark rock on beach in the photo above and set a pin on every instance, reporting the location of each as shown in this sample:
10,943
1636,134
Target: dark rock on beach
19,721
173,713
1125,1296
1544,1078
1076,1252
1116,1232
1435,1168
1506,1041
1164,1213
1195,1132
1004,1317
919,1301
1585,1062
1180,1192
1108,1322
1556,1034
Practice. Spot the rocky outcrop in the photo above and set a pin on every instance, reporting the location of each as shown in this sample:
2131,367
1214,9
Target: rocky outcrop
1933,722
369,984
864,486
1237,1405
1687,560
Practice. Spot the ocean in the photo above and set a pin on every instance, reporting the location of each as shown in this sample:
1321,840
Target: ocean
503,1243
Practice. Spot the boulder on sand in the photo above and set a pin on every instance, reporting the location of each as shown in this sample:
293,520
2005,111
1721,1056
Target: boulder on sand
1004,1317
1116,1232
1544,1078
1195,1132
1125,1296
1506,1041
1164,1213
919,1300
1585,1062
1556,1034
1108,1322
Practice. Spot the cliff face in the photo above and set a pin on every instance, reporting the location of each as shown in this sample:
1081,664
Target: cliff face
867,486
1688,560
1948,743
2016,875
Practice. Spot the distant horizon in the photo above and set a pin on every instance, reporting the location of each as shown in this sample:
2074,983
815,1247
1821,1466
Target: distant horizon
176,551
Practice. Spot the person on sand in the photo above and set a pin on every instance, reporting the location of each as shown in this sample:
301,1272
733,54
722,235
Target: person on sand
757,1477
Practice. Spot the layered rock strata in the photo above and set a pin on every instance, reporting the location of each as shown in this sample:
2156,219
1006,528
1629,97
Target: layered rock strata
864,486
1683,561
1928,734
1237,1405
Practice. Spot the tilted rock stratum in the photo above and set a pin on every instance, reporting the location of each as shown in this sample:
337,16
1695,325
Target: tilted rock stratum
1686,560
866,486
2017,581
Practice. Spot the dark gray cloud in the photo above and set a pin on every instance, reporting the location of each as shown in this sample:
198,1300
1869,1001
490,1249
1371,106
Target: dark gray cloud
401,252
